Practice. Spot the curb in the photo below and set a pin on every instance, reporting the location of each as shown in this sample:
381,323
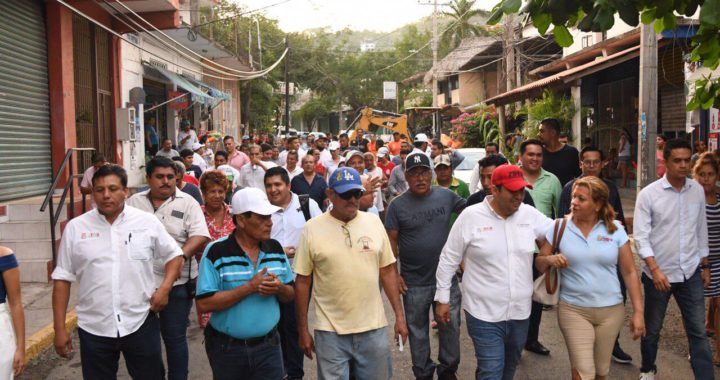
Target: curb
41,340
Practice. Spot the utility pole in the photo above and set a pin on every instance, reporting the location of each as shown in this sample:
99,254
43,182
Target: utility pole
647,117
287,88
435,54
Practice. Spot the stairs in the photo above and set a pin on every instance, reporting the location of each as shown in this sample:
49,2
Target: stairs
26,231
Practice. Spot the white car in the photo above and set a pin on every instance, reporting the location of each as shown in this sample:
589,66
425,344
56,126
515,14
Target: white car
465,169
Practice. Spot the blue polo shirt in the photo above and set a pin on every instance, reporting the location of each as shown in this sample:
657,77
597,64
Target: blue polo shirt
591,279
316,189
224,266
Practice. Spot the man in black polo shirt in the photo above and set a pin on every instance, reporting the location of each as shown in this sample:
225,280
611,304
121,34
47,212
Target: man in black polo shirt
242,280
558,158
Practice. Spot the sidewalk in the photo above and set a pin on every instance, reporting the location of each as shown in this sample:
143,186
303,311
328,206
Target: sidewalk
39,334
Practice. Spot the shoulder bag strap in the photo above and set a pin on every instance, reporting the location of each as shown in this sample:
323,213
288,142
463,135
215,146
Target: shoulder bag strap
552,281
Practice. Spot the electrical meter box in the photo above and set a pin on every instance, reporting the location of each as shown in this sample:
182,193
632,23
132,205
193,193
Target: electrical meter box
128,128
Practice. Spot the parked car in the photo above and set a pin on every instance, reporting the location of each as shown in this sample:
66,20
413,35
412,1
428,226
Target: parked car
472,156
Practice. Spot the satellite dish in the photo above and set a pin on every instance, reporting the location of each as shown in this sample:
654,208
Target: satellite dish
137,96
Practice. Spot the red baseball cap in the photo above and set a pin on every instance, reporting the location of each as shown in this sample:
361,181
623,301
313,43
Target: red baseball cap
510,177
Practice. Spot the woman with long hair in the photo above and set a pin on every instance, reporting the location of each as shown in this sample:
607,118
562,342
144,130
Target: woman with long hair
591,310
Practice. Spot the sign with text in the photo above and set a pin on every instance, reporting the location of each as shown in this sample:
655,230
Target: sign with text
389,90
714,122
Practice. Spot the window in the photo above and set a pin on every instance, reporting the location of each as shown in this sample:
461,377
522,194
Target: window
587,40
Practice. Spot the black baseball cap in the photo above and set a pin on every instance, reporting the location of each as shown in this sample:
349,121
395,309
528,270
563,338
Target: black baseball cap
416,159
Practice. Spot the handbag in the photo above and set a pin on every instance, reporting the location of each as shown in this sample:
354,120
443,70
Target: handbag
546,287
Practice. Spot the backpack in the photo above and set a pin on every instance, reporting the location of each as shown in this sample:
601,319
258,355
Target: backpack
305,205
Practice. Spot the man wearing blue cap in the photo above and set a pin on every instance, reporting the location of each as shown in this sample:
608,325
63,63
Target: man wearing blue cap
343,253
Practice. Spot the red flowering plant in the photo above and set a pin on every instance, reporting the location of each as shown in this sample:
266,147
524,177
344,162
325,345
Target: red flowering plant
478,128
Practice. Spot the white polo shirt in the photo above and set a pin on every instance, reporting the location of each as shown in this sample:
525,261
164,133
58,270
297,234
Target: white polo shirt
497,284
183,218
254,176
289,222
113,265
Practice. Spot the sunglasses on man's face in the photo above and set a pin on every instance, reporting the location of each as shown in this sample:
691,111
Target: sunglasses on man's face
351,194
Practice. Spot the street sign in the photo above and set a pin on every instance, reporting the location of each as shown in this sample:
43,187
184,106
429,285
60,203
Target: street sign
280,89
389,90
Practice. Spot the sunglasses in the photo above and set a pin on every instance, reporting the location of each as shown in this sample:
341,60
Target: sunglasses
351,194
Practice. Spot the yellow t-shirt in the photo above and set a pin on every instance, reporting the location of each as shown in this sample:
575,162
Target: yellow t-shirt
346,289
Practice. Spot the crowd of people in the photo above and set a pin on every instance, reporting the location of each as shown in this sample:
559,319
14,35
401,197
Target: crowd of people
255,231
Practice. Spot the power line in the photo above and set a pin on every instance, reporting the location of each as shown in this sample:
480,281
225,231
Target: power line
242,13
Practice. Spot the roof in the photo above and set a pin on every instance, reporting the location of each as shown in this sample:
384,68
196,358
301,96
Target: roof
563,78
456,59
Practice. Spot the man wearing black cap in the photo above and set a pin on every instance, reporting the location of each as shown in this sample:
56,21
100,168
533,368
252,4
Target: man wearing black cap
418,224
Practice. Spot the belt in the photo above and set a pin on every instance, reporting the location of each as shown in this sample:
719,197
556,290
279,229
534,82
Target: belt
249,342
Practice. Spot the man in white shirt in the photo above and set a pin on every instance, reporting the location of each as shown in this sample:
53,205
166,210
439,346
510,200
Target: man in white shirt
198,159
110,252
496,241
293,143
187,136
335,158
98,161
287,226
166,149
183,219
253,174
671,236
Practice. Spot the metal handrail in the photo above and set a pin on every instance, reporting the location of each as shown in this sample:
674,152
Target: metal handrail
68,188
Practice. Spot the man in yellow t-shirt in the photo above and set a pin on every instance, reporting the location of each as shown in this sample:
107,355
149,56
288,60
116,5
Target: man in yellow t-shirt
343,253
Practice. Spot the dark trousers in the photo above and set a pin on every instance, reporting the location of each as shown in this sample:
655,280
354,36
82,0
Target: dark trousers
173,328
143,358
231,360
292,354
535,313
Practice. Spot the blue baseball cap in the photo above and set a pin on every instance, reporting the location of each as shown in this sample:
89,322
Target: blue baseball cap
345,179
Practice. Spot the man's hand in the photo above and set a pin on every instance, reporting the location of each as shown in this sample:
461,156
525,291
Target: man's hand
372,184
659,280
401,330
289,252
270,285
307,344
442,313
706,277
257,280
159,299
63,343
19,362
401,285
637,325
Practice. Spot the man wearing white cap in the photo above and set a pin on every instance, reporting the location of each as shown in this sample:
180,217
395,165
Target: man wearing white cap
421,143
321,142
344,253
198,151
243,279
335,158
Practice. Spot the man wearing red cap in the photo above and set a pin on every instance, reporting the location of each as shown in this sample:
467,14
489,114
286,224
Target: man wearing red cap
496,240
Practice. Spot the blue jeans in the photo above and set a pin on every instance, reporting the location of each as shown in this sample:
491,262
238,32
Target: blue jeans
418,302
689,297
173,327
99,355
230,360
292,354
498,346
368,353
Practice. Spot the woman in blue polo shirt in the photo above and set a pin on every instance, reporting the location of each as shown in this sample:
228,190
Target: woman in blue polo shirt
591,311
12,318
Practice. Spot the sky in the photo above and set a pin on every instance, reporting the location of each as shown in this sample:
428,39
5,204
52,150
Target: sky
376,15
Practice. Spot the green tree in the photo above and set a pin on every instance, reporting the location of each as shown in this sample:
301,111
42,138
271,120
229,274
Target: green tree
460,25
599,15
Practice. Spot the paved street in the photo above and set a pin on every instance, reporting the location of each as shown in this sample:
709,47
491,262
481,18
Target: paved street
672,365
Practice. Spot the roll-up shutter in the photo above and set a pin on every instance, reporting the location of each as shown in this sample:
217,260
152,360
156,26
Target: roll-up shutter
25,166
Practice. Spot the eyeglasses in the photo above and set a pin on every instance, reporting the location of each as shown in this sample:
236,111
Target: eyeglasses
348,240
351,194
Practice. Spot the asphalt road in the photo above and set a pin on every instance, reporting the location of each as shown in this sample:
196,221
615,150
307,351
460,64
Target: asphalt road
672,361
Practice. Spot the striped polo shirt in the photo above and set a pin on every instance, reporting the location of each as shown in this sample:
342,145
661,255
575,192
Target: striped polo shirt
224,266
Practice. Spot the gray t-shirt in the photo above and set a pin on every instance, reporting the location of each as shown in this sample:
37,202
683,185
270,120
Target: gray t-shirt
424,225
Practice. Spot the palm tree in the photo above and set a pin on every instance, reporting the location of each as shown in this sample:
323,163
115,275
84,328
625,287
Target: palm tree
460,25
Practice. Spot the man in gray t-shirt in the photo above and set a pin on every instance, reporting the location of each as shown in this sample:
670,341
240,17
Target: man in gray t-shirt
418,224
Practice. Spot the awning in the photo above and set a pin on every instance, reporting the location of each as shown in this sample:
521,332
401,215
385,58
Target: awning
196,94
216,93
563,78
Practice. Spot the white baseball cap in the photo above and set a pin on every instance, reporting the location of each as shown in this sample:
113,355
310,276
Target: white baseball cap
382,152
253,200
421,137
334,145
352,153
197,146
